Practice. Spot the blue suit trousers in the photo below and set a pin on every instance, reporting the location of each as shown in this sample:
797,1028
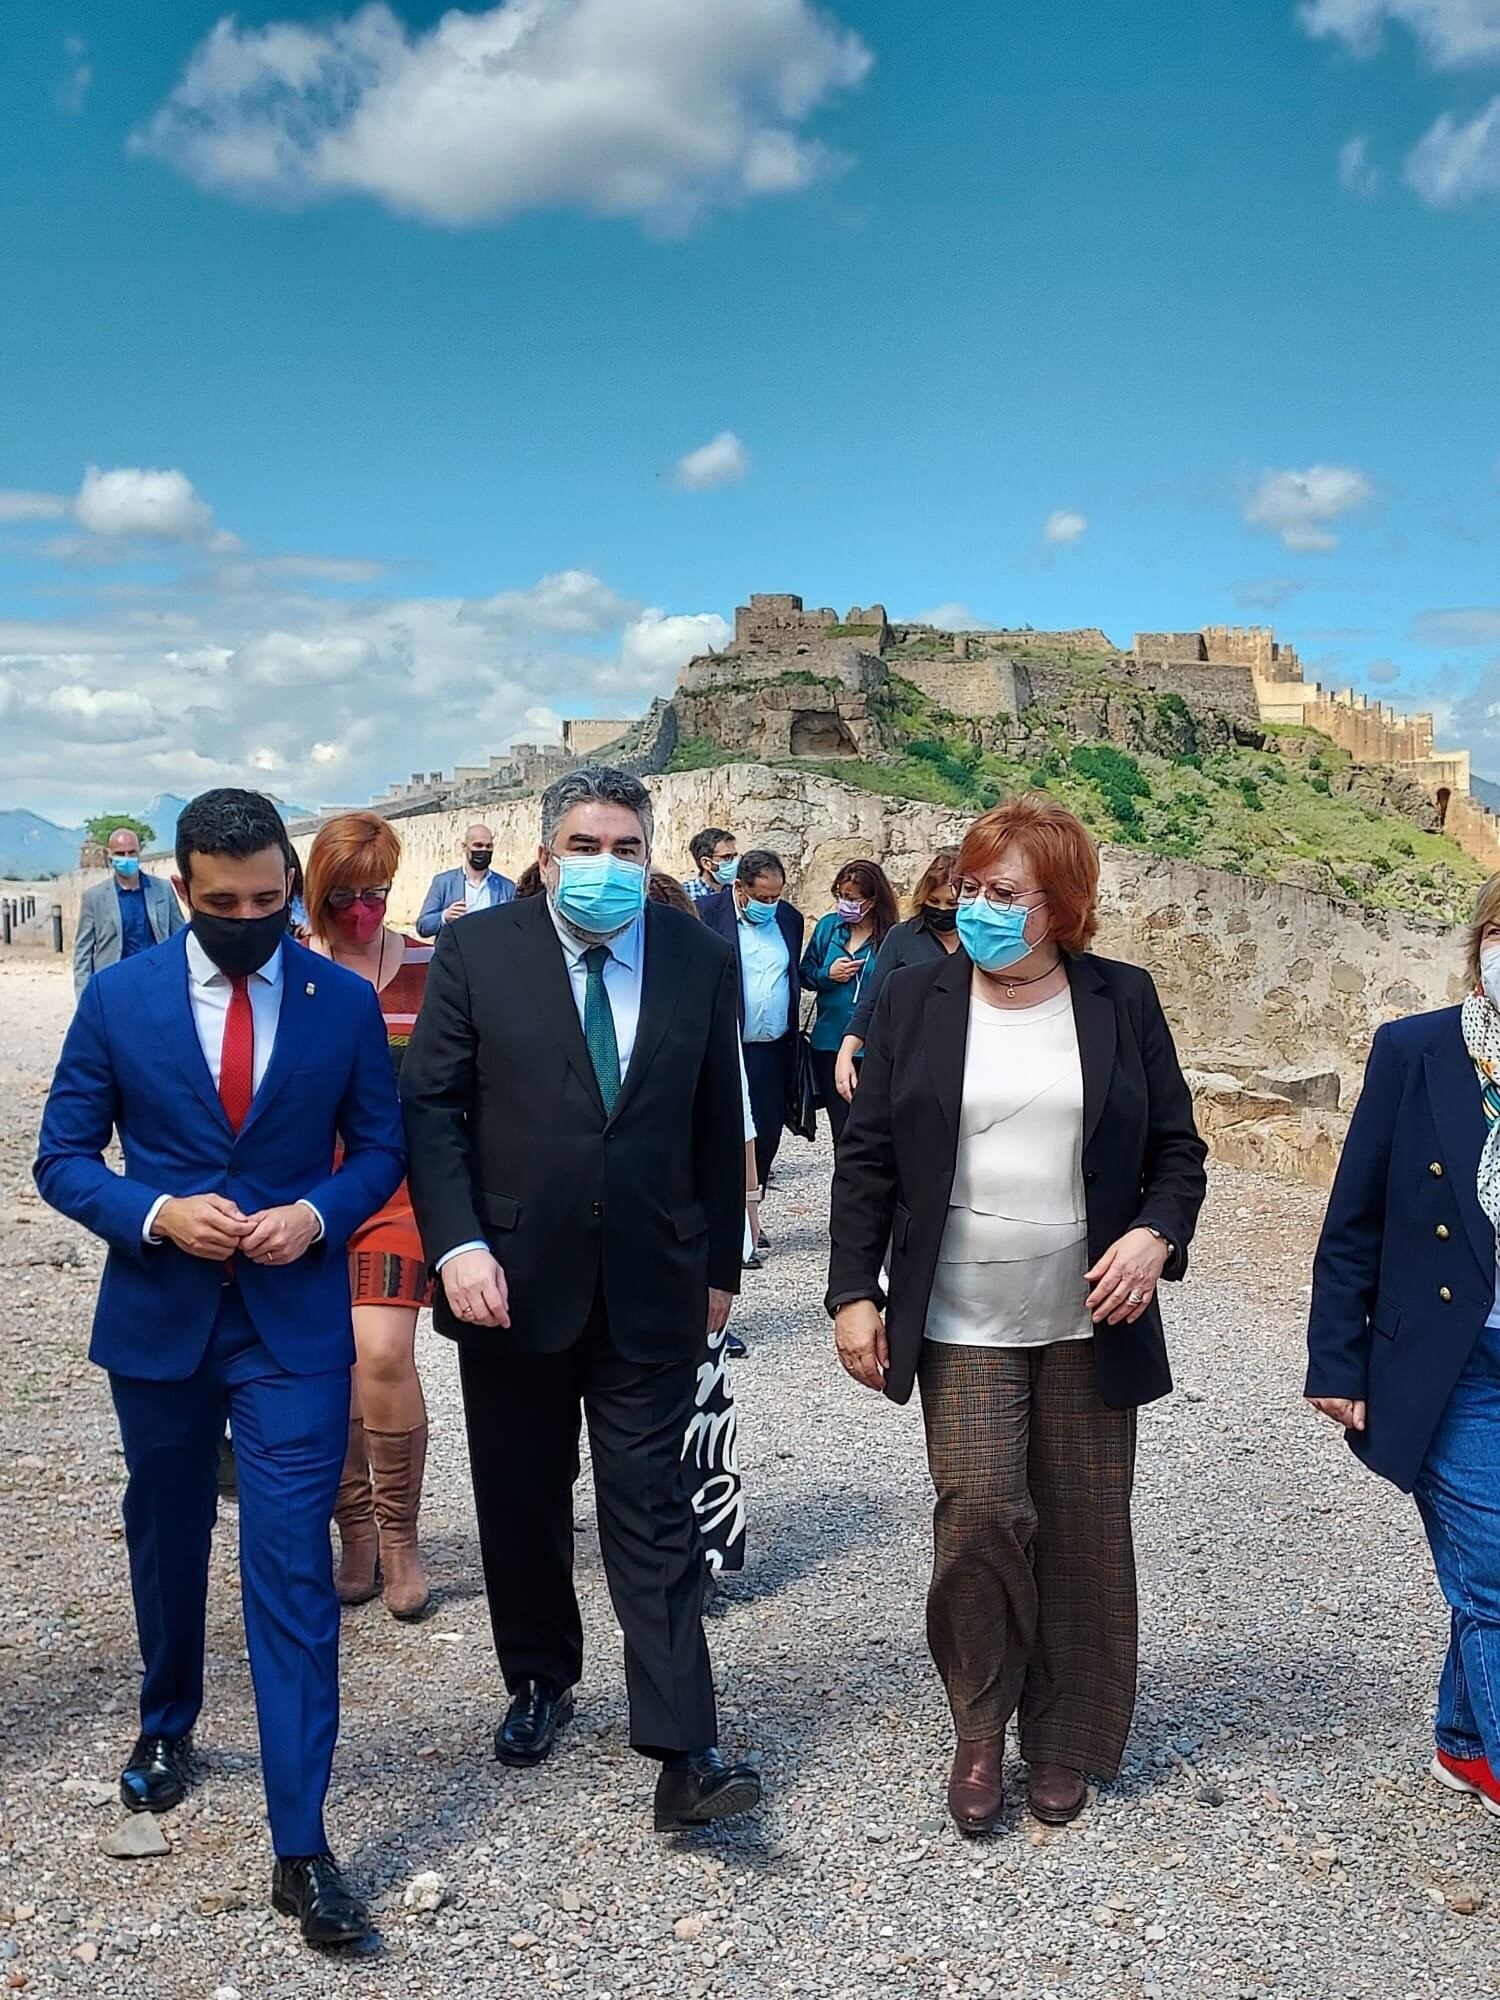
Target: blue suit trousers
290,1433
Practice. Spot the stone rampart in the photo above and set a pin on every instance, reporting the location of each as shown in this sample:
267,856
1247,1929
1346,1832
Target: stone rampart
973,687
847,661
1228,690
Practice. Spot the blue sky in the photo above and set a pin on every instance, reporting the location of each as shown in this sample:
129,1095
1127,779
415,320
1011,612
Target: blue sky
389,337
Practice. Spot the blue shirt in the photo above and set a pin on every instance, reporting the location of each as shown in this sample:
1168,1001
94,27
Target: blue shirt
766,971
699,890
135,921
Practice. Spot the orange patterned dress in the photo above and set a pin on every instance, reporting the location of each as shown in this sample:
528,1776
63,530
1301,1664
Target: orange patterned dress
387,1265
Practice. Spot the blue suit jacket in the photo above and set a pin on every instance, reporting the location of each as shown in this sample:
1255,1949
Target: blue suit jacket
1404,1277
132,1063
449,888
721,914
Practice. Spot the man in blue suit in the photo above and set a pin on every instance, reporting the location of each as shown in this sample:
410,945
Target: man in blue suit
458,892
232,1062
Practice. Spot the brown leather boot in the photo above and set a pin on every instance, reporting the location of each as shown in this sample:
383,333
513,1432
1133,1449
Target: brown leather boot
398,1459
976,1790
358,1575
1056,1793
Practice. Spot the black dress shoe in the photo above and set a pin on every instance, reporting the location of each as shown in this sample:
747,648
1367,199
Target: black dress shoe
156,1778
734,1347
696,1789
537,1712
311,1888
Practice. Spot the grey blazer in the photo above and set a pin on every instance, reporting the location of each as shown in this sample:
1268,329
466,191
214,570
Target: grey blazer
98,941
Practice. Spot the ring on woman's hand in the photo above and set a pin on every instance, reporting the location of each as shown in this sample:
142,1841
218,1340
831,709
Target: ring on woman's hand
1137,1298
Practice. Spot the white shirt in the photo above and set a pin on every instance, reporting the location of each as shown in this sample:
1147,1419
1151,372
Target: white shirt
209,992
1011,1267
478,895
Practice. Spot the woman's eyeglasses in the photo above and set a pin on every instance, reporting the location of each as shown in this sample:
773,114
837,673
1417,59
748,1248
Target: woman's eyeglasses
1001,899
345,899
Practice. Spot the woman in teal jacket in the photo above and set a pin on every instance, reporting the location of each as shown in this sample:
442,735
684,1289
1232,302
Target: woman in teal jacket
842,945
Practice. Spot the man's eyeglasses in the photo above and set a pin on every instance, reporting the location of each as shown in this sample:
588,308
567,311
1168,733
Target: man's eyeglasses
345,899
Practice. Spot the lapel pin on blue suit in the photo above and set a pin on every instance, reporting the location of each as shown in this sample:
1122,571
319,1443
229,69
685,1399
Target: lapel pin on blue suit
311,989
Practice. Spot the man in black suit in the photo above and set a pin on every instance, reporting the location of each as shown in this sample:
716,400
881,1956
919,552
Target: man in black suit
573,1107
765,930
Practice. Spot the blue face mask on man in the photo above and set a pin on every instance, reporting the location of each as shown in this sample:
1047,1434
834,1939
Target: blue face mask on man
727,871
128,865
760,913
599,894
993,935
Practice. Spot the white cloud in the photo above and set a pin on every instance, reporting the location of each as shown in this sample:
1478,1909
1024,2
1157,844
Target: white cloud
1457,160
650,109
1298,506
73,91
1357,172
100,715
1452,34
952,617
720,462
289,660
257,570
1064,526
570,601
1476,625
654,645
134,501
19,506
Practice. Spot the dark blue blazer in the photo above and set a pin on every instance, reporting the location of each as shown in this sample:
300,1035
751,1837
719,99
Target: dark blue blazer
132,1063
1404,1277
721,914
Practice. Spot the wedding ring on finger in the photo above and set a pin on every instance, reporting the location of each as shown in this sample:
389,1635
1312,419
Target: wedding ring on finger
1137,1298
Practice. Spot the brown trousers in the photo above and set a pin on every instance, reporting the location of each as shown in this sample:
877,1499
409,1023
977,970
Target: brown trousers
1033,1598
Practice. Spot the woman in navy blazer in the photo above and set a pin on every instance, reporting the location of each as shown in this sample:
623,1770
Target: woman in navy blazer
1404,1333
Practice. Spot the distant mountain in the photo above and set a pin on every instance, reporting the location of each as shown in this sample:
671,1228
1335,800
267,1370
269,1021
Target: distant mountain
32,848
1486,791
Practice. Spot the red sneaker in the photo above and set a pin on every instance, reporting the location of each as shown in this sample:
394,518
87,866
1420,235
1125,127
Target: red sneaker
1469,1774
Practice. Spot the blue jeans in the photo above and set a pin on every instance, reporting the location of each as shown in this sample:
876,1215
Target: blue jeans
1458,1492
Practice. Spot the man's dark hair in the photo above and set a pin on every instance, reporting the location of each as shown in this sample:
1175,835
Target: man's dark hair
229,821
759,861
702,845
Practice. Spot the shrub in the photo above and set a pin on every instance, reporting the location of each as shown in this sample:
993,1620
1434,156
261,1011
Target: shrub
1249,791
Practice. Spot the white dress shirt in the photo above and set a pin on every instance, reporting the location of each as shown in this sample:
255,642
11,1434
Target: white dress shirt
478,895
209,992
623,972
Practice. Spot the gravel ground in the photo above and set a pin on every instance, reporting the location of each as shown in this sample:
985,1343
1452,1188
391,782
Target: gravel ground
1274,1832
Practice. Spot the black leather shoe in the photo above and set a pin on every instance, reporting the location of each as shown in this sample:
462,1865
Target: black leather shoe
734,1347
537,1712
311,1888
694,1790
156,1777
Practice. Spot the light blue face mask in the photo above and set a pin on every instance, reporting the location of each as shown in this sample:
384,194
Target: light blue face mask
727,871
993,937
599,893
125,864
761,913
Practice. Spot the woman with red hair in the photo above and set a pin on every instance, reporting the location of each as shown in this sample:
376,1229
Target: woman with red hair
1021,1148
350,869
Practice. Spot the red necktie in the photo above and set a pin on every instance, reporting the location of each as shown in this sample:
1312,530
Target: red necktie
237,1057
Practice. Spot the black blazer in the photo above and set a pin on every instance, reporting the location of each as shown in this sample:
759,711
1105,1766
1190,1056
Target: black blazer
893,1173
509,1143
1404,1278
721,914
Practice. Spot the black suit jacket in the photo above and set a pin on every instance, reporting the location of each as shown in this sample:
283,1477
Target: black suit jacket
1142,1157
721,914
509,1143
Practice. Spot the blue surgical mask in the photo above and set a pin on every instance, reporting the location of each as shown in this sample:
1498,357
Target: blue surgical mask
125,864
726,871
994,937
760,913
599,894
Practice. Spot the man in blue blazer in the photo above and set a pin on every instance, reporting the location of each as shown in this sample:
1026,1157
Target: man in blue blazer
232,1063
765,931
458,892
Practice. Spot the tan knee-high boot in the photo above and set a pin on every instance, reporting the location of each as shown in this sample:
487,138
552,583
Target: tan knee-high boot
358,1575
398,1459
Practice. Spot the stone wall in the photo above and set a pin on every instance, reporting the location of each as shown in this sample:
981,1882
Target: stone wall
847,661
794,719
1187,646
974,687
1224,689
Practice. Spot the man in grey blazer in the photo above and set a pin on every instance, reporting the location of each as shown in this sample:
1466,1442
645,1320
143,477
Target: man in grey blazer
128,913
455,892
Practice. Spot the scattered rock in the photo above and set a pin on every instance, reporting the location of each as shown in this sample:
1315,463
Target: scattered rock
92,1791
1465,1902
86,1952
689,1928
426,1892
136,1839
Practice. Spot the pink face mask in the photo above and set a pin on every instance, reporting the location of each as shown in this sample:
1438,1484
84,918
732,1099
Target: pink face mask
358,924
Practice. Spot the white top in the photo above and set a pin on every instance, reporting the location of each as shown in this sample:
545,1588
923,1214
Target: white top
623,970
1011,1267
478,895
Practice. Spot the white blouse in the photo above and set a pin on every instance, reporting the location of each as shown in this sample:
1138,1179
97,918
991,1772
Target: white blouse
1011,1267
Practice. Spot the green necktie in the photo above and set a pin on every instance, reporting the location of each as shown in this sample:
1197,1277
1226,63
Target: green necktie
599,1027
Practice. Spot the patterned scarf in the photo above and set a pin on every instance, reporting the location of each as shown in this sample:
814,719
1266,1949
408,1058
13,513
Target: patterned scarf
1481,1025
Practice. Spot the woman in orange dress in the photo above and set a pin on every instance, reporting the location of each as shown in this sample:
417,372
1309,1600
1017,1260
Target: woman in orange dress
350,869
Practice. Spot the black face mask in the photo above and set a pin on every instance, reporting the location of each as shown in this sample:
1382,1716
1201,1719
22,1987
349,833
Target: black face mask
480,858
240,945
940,921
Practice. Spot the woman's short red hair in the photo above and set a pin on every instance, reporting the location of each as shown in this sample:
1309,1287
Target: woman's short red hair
355,850
1061,851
